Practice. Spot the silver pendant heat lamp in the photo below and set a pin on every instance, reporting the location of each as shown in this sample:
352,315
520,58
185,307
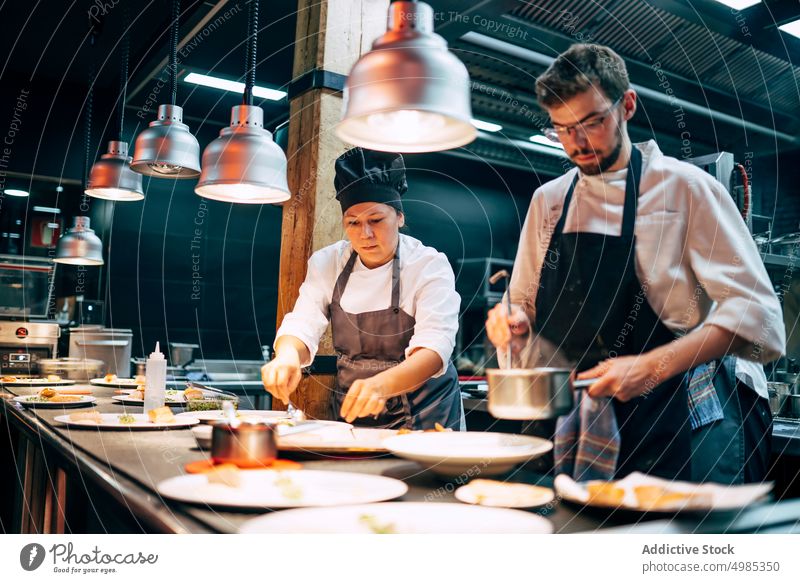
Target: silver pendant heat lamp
244,165
409,93
167,149
79,245
111,177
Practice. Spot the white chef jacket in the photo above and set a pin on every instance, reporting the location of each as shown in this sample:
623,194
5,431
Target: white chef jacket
427,292
693,252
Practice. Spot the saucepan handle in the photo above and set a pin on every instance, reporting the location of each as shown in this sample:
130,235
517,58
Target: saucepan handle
583,383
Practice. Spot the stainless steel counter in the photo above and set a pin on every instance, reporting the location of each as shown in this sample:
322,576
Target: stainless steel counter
89,480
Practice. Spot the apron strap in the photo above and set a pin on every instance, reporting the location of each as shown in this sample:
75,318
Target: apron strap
344,277
631,197
396,278
631,193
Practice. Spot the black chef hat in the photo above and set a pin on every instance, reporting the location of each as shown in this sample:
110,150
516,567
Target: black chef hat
369,176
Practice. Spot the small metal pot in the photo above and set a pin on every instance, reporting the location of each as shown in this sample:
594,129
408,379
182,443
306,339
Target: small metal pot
532,393
182,353
248,445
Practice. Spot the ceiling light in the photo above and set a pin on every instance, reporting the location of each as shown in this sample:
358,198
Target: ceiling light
16,192
540,139
792,28
739,4
233,86
79,245
486,126
409,93
111,177
167,149
244,164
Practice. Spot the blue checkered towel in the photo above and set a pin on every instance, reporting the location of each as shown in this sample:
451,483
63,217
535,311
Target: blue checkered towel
587,438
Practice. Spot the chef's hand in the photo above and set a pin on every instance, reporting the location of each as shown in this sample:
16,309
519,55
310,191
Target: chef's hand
502,329
623,377
365,397
282,374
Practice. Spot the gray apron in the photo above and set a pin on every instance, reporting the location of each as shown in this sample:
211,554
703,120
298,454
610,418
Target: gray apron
371,342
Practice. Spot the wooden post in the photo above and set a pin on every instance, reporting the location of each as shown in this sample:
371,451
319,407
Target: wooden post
331,35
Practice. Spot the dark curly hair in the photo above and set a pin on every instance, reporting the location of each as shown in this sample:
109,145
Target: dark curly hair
581,68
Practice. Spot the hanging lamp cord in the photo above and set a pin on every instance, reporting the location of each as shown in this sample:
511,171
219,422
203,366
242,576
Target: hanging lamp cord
250,72
88,113
123,81
173,49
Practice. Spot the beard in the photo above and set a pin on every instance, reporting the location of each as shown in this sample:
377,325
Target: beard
603,163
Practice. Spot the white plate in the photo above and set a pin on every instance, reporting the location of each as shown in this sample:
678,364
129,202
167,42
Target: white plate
294,488
173,399
28,401
111,421
117,384
456,452
399,518
337,439
37,383
202,433
504,494
250,415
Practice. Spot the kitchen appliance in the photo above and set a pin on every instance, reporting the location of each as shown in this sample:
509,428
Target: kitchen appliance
26,335
533,393
778,393
181,353
74,369
23,345
226,370
111,345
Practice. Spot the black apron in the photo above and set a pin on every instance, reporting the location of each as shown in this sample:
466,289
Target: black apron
370,342
592,306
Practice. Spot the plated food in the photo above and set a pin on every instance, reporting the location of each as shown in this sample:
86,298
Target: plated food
453,453
50,397
125,420
265,489
400,518
12,380
642,493
246,415
112,380
337,439
136,397
504,494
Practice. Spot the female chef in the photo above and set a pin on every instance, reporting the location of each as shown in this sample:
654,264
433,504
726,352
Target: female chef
391,303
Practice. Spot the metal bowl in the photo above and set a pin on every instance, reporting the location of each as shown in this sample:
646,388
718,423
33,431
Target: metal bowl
248,445
778,392
530,393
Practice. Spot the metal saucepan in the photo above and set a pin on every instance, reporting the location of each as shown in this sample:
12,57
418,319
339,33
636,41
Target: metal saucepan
244,444
532,393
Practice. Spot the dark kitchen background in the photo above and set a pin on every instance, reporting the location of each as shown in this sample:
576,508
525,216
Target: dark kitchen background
734,76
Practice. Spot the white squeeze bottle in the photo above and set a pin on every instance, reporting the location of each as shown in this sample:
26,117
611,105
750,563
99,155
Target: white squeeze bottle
155,380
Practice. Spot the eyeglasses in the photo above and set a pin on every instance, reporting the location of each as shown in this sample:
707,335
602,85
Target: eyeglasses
591,127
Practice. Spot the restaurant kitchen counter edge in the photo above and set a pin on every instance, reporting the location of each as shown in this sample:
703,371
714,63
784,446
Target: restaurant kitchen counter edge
42,502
